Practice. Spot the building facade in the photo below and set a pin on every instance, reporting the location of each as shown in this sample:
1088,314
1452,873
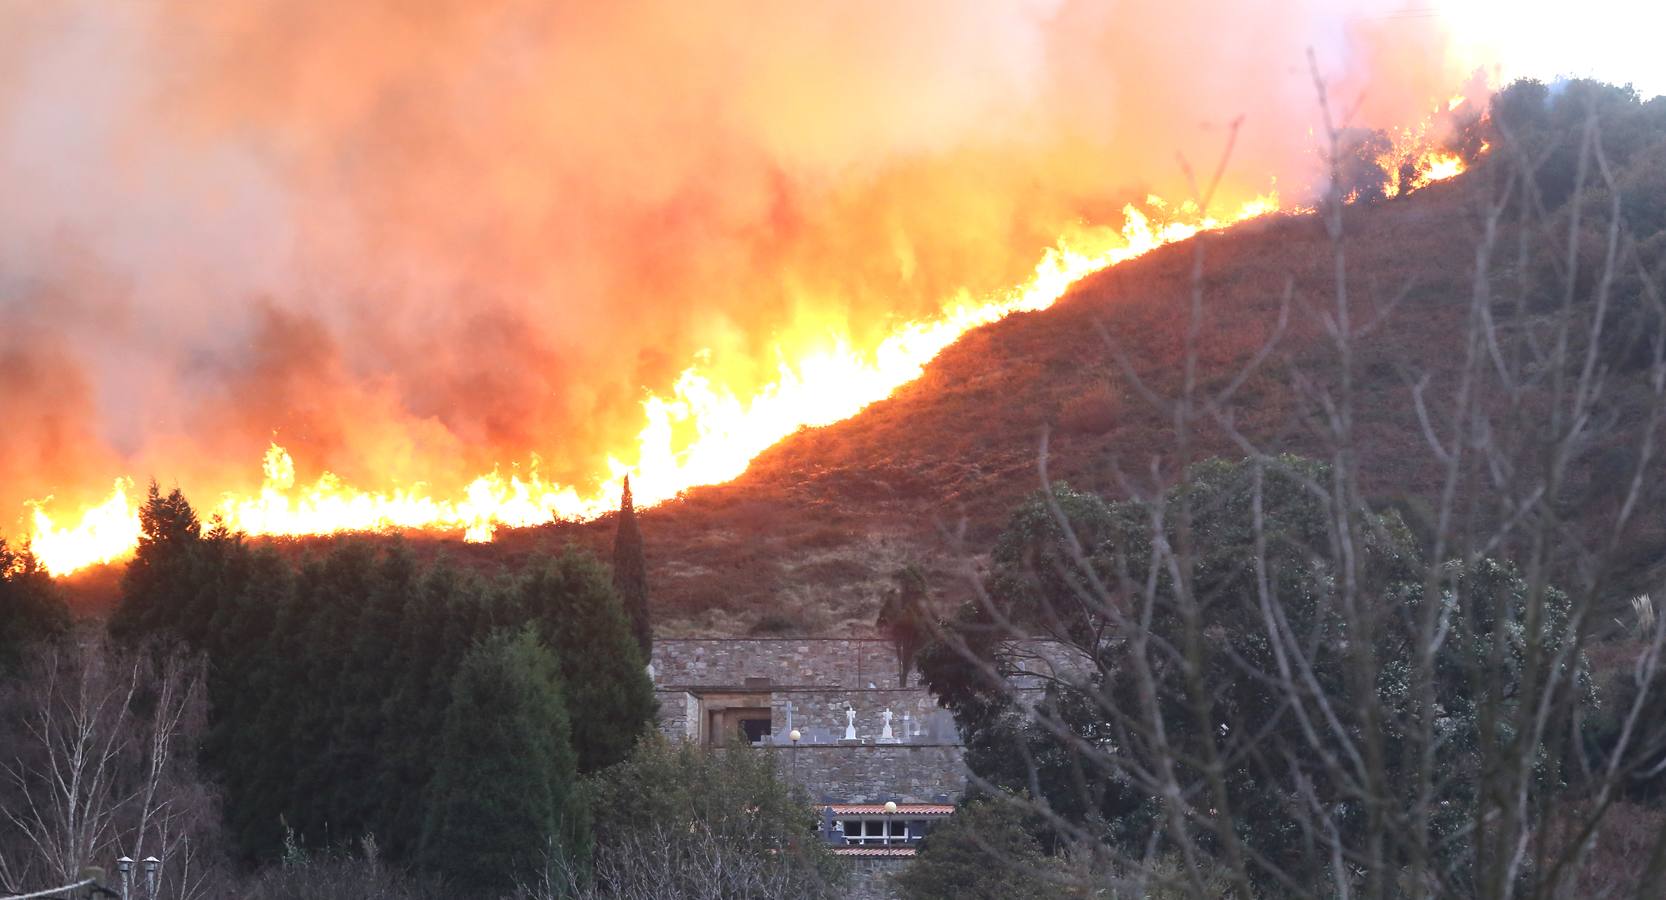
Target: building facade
872,746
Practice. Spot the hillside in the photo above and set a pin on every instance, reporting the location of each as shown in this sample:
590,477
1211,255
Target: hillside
808,539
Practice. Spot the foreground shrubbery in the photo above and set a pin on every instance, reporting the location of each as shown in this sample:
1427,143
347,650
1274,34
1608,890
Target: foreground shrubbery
680,820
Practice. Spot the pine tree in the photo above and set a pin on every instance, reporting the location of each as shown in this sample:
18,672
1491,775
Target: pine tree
158,586
30,608
630,573
505,785
338,589
427,657
353,763
610,699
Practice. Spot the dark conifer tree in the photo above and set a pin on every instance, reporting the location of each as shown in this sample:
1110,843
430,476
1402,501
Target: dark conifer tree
339,588
630,573
609,696
505,785
430,648
352,764
244,676
30,608
158,585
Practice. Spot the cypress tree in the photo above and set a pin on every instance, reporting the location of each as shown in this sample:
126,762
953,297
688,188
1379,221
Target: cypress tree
505,785
338,589
353,764
430,648
609,696
630,573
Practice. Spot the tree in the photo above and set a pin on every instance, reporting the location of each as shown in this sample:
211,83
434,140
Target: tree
159,581
435,634
97,761
30,608
985,851
630,573
681,820
1215,697
505,784
609,697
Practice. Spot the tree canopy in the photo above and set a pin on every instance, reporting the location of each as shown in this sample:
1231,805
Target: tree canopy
505,787
1218,635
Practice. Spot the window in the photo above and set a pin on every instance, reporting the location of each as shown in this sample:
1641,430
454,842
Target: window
880,831
756,727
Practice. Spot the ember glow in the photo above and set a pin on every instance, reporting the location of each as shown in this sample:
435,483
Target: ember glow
461,266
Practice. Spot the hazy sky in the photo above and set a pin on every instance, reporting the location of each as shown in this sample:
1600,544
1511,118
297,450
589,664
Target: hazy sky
1611,40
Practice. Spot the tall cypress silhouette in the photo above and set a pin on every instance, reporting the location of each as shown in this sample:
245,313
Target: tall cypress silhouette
630,573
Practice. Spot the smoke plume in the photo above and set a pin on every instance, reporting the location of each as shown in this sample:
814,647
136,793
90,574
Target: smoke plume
410,241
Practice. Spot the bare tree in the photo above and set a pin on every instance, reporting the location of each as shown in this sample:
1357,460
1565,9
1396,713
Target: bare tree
1253,676
99,763
665,862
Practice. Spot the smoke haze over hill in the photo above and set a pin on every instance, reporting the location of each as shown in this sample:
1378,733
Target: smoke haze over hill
411,242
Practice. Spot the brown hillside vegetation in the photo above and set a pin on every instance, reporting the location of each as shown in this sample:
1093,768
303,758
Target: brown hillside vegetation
808,540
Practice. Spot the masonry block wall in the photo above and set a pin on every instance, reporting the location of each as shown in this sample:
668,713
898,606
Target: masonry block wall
799,662
808,685
867,773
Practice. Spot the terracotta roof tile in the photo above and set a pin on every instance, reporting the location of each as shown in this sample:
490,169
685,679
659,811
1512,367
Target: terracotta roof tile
878,809
874,851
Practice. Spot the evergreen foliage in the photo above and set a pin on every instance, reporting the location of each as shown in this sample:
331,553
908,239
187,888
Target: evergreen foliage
630,573
610,699
30,608
985,851
505,785
159,584
678,808
330,683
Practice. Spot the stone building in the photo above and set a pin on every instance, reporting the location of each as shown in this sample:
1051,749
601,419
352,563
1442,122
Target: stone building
873,747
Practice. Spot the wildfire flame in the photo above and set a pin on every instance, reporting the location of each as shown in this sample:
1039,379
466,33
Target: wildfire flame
1413,153
817,387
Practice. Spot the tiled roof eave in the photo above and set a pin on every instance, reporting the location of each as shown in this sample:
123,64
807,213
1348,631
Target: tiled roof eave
903,809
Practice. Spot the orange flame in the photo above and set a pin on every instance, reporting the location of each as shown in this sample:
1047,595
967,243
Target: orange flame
1413,151
816,386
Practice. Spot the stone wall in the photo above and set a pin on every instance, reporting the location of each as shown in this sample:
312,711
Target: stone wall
819,715
678,713
870,877
817,680
875,773
785,662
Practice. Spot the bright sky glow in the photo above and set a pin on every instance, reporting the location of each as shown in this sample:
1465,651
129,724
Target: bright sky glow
1617,41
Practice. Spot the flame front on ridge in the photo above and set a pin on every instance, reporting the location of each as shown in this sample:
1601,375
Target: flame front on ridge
818,388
